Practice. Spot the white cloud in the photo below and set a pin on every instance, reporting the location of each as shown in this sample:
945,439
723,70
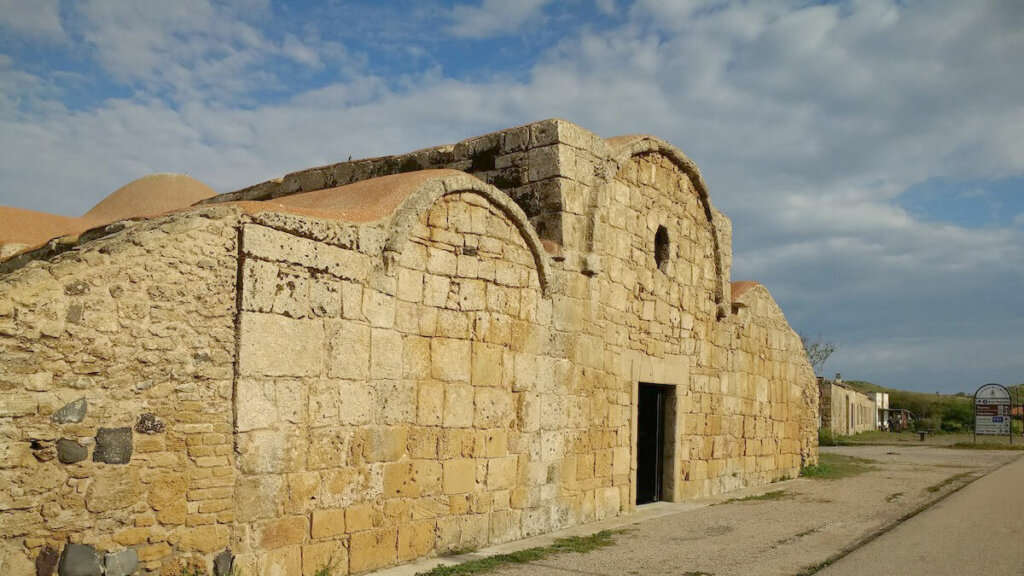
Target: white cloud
32,18
494,17
194,49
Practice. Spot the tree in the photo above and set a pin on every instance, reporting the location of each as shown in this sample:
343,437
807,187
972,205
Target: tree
818,351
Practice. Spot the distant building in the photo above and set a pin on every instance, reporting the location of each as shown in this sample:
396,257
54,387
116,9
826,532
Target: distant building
845,411
881,410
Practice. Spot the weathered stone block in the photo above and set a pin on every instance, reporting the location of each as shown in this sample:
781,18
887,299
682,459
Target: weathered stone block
148,423
487,364
356,403
451,359
494,408
379,309
123,563
46,561
71,412
69,451
256,497
328,523
430,403
331,556
373,549
80,560
271,345
459,476
256,404
286,531
415,540
395,401
386,354
501,473
223,563
350,350
458,405
282,562
113,446
412,479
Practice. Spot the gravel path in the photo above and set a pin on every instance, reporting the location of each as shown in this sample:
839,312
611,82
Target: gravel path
816,519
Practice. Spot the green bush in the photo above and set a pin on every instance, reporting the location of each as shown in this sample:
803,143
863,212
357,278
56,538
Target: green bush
933,423
826,438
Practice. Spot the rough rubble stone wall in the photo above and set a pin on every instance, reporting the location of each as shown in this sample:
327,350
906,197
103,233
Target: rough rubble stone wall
845,411
115,384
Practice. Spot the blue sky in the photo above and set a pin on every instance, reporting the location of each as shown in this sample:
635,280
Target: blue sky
869,152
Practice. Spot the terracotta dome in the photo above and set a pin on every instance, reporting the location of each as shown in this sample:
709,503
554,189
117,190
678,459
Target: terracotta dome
148,196
31,228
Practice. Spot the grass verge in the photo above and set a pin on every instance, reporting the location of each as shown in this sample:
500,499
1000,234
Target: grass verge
948,481
986,446
579,544
836,466
773,495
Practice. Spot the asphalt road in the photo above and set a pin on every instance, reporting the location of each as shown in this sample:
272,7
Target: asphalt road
976,531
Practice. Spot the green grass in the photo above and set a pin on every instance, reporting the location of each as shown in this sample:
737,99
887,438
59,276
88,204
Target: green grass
767,496
987,446
836,466
578,544
948,481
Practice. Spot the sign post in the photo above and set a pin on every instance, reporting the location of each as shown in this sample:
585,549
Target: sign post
992,409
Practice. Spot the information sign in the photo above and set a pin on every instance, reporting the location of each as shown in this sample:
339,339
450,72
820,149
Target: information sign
992,410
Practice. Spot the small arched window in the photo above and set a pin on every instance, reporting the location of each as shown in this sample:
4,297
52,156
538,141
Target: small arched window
661,248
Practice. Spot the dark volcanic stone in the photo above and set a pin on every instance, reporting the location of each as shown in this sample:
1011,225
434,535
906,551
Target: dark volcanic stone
72,412
222,563
69,451
148,423
46,562
113,446
121,563
80,560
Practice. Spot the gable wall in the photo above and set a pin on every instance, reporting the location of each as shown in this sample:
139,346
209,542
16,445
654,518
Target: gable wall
389,414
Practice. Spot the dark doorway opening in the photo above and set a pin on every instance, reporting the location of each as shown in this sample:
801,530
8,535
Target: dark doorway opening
650,450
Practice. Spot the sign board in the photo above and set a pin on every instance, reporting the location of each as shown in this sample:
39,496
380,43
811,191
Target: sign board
992,410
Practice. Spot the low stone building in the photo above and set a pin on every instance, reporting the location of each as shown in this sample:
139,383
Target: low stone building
845,411
369,362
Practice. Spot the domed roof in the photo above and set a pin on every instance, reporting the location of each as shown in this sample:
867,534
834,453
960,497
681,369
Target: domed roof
149,195
741,287
31,228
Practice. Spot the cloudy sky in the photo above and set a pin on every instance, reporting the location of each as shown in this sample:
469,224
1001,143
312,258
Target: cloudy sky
870,153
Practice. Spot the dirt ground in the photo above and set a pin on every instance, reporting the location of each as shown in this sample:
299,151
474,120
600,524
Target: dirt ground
814,520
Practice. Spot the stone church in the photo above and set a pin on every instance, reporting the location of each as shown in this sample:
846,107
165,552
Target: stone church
365,363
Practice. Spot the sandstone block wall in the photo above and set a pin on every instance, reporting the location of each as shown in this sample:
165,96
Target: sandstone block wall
312,390
425,414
